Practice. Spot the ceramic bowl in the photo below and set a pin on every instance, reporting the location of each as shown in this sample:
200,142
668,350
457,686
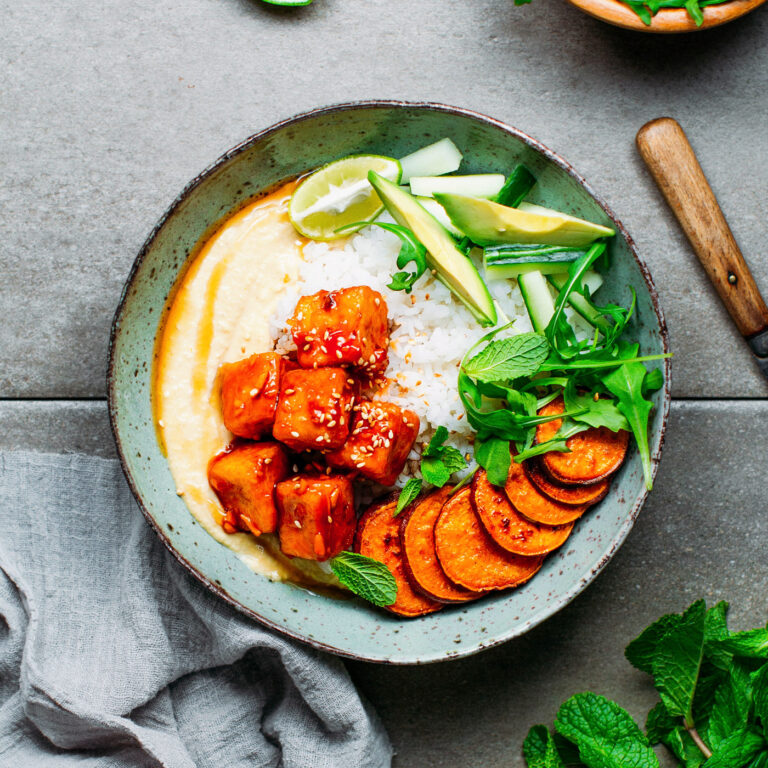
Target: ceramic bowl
347,626
667,20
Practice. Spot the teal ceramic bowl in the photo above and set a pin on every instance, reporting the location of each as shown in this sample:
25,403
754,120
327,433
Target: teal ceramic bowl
350,627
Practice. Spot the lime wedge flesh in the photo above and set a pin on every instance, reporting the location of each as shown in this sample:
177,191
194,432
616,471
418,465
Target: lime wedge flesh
339,194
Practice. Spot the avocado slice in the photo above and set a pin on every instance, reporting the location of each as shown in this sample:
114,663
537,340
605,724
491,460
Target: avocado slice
451,266
488,223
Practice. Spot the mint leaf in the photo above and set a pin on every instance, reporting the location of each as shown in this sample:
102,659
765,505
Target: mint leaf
738,750
409,492
606,735
452,459
434,471
641,651
626,384
761,761
505,359
366,577
677,661
436,443
730,710
493,455
752,644
716,629
683,747
659,724
539,749
760,696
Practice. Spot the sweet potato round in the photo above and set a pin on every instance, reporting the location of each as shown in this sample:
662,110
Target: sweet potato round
509,529
470,557
530,502
378,537
417,536
565,494
594,454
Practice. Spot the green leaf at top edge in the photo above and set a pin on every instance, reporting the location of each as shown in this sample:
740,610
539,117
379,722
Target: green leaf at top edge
366,577
409,492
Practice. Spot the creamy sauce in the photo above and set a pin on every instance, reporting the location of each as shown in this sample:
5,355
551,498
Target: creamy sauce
219,314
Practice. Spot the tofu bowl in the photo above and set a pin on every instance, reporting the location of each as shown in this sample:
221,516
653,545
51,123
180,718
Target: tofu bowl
272,388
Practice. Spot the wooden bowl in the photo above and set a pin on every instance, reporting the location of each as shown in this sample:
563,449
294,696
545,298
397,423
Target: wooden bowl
668,20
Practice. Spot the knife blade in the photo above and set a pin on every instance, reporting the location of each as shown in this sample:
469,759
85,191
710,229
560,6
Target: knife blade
672,162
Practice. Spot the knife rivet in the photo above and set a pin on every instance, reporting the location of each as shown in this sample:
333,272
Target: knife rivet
732,279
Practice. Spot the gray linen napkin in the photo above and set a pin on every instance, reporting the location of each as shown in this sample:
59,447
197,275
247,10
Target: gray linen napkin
111,655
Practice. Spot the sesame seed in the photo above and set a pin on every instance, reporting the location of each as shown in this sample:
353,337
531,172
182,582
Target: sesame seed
289,391
331,423
350,382
319,439
307,347
295,434
268,460
300,316
330,519
324,349
254,392
341,420
296,469
377,301
161,423
297,523
360,465
338,354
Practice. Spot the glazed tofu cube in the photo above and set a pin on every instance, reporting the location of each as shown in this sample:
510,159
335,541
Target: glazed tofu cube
348,327
314,409
244,479
317,516
381,439
249,390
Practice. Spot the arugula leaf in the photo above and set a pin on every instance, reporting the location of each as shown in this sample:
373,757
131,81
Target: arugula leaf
596,411
626,384
654,380
738,750
642,650
559,442
410,491
507,359
366,577
606,735
677,661
493,455
539,749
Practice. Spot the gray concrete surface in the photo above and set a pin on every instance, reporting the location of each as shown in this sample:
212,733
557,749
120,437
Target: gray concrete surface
107,109
701,534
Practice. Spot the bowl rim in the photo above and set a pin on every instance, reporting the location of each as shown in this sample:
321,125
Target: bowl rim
668,21
563,599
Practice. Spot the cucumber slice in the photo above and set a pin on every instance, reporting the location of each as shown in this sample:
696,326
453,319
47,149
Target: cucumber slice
432,206
452,267
478,185
501,265
441,157
579,303
488,223
516,187
538,299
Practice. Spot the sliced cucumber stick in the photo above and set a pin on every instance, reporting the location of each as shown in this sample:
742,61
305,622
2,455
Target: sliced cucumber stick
579,303
434,160
485,185
538,299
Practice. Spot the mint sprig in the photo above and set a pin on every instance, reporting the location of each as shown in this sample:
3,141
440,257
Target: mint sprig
713,712
439,461
366,577
409,492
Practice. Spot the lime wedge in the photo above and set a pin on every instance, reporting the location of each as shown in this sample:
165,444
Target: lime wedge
339,194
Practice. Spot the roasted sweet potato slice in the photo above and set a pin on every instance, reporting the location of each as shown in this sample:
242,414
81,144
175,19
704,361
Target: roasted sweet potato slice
378,537
565,494
530,502
594,454
509,529
417,536
469,556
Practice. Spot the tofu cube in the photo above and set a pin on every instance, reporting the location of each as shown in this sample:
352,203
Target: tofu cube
317,516
249,390
381,439
314,409
348,327
244,479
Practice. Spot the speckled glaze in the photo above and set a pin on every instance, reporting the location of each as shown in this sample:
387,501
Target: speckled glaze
350,627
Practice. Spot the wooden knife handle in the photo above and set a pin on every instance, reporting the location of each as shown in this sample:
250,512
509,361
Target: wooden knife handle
670,158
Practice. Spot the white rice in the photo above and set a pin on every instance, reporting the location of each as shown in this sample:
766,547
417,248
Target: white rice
430,330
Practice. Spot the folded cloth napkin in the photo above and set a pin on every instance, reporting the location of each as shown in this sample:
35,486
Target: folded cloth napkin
111,655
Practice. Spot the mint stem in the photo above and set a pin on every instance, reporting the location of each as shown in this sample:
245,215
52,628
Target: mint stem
698,741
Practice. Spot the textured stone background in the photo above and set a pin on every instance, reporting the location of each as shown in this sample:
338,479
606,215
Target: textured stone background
106,110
